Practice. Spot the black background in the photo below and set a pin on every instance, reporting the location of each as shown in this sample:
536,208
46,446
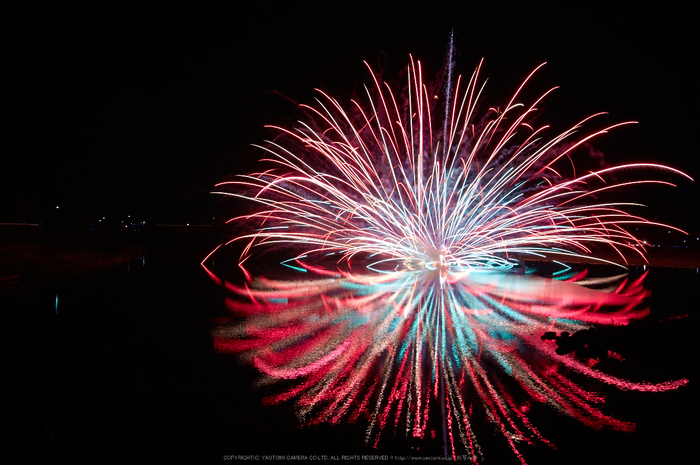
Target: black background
140,109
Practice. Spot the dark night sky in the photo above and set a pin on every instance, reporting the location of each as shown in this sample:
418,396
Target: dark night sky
141,109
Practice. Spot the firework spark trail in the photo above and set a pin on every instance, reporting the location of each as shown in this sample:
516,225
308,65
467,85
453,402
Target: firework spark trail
436,212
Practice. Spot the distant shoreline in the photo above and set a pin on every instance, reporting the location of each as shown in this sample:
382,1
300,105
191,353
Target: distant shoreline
49,264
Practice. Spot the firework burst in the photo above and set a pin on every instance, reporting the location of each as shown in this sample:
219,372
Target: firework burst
433,210
387,180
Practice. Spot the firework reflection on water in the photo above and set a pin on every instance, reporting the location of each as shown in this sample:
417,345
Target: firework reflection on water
424,321
417,351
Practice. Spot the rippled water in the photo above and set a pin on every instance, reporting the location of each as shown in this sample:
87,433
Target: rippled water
119,364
